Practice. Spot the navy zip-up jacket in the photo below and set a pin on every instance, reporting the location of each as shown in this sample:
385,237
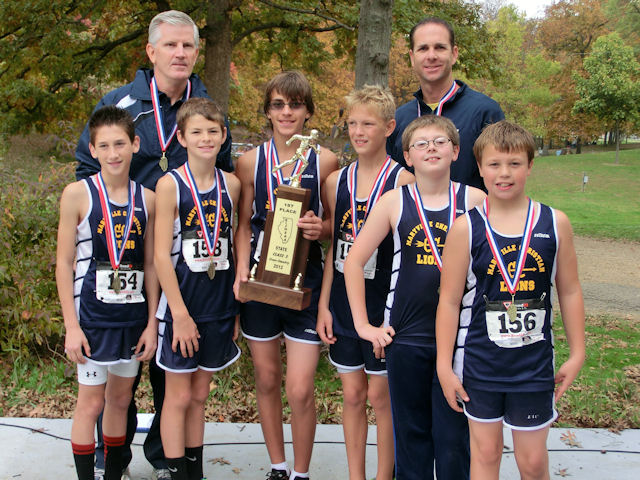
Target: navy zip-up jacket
469,110
135,97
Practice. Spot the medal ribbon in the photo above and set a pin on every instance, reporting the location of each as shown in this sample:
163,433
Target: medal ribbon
374,194
512,283
443,100
115,254
204,226
422,214
157,113
271,154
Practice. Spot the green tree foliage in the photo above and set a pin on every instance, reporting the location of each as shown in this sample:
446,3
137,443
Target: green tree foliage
626,17
611,88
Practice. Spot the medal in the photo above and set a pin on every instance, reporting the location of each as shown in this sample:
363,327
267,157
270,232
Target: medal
374,194
271,156
424,221
115,254
209,242
164,162
510,282
157,113
115,285
447,96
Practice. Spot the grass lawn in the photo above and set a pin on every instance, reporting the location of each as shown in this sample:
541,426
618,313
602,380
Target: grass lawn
609,207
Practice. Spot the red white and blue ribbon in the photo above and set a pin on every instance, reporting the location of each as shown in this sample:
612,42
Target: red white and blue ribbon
157,113
511,282
447,96
424,220
375,193
210,237
115,253
271,154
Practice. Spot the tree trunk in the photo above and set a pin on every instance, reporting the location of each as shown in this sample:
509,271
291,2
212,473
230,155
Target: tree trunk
217,52
578,146
617,140
374,42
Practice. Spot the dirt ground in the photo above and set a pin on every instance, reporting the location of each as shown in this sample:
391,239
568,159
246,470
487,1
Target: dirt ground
609,272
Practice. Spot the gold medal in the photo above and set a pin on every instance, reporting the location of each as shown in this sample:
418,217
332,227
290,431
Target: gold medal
211,271
512,311
115,284
164,162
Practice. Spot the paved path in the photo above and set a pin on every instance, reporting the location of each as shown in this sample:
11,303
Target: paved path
38,449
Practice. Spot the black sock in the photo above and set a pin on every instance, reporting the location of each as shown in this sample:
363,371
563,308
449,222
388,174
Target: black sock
83,455
113,449
178,468
193,455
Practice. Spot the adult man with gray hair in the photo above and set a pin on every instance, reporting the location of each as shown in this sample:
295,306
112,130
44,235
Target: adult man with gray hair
153,99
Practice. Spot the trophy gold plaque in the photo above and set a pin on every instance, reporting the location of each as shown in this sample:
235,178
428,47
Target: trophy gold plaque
278,277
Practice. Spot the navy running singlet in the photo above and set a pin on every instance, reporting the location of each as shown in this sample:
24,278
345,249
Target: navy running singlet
495,352
97,304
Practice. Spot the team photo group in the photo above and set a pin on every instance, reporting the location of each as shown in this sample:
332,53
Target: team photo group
423,265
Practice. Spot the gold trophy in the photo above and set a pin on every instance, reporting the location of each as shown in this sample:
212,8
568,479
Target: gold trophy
278,277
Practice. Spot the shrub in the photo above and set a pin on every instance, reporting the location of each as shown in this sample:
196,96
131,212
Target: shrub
29,306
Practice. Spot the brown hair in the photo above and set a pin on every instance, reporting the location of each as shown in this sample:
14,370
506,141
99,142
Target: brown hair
111,115
437,21
375,96
199,106
291,84
437,121
505,137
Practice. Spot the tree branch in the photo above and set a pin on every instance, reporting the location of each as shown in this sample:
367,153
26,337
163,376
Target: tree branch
268,26
107,47
315,12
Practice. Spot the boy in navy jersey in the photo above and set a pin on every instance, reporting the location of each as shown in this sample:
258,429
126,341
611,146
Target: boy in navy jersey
351,194
419,216
494,318
106,226
194,260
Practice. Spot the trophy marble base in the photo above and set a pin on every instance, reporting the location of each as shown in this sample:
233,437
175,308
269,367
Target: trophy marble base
276,295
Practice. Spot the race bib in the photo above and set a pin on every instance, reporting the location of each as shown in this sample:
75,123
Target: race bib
131,282
342,250
523,330
194,251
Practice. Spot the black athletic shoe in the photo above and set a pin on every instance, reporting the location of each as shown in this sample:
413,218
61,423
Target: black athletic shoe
277,475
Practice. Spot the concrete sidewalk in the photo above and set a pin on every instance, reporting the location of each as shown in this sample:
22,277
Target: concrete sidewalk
39,449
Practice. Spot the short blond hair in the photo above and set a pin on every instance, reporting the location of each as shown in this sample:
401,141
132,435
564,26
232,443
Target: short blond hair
425,121
505,137
374,96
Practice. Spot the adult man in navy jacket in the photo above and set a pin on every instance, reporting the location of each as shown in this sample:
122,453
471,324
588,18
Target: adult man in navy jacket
153,99
433,53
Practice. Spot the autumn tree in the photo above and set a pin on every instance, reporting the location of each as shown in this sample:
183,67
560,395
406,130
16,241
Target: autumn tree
611,87
374,42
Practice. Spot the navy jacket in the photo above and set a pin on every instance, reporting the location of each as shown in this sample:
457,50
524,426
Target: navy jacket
135,97
469,110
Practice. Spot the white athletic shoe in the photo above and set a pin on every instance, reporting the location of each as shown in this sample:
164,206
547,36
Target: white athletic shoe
126,475
161,474
98,473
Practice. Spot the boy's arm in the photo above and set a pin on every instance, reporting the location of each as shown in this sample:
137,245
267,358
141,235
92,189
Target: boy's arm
455,261
405,178
475,197
571,304
73,203
149,338
379,222
242,244
315,228
185,331
324,324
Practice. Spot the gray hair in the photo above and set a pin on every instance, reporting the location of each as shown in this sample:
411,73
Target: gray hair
172,17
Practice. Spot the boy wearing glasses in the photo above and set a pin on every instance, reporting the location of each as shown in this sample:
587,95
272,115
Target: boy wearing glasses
419,215
288,104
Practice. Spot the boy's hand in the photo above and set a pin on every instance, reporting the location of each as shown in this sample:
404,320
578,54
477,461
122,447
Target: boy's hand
324,326
74,341
452,389
236,328
380,337
185,336
378,352
566,374
311,225
242,275
148,343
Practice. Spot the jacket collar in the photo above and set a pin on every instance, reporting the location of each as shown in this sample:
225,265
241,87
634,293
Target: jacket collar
420,99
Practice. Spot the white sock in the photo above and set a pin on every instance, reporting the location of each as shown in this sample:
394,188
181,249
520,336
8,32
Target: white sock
295,475
281,466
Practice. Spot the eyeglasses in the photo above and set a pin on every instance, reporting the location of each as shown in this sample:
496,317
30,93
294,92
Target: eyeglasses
279,105
424,144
